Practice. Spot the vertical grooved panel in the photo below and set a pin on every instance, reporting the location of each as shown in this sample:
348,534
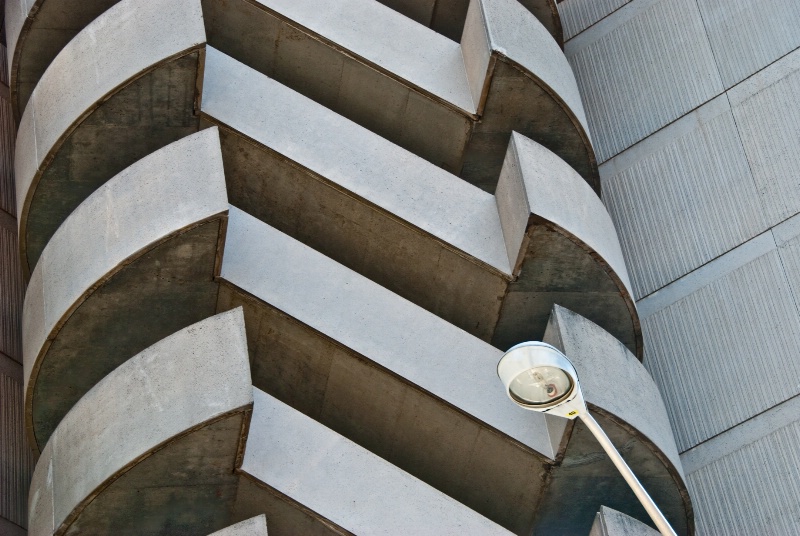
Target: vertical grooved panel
577,15
7,139
11,295
747,35
630,86
684,204
769,126
16,462
767,469
736,338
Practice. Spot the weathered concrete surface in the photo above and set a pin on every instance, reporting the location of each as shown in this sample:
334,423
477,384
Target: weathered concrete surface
567,250
626,402
418,95
414,228
447,17
152,447
612,523
382,372
103,292
102,105
345,483
255,526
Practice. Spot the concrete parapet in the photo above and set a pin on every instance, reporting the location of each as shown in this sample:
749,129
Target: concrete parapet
94,103
419,95
141,248
169,419
378,202
625,399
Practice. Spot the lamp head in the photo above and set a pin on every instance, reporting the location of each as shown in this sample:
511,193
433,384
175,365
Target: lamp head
540,378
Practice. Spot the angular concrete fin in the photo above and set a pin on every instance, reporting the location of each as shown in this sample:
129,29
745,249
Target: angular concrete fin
609,522
255,526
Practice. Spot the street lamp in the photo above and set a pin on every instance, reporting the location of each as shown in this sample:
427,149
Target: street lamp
540,378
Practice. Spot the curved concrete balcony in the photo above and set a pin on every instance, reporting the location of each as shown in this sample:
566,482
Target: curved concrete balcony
453,104
154,445
447,17
124,87
626,401
165,432
57,173
491,265
132,264
358,57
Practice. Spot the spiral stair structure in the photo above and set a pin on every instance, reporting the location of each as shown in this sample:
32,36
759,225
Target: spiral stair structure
274,250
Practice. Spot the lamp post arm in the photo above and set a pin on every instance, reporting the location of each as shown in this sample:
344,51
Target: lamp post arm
641,494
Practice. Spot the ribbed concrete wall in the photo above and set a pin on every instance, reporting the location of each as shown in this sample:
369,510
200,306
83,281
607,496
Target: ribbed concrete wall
16,460
701,151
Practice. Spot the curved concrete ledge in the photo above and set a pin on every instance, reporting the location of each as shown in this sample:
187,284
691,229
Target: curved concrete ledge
84,122
141,248
447,17
161,432
619,391
453,104
415,228
568,250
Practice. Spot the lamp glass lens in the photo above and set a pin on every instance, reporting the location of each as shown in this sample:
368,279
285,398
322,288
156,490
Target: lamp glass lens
540,386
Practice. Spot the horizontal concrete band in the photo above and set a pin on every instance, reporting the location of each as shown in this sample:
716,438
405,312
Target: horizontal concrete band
189,382
183,184
447,17
407,199
54,118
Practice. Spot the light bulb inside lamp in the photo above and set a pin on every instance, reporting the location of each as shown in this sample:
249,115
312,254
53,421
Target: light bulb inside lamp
540,386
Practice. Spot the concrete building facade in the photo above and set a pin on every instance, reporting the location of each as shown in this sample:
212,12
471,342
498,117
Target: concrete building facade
274,250
693,107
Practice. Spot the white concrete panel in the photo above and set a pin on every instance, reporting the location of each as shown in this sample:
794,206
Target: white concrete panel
344,482
577,15
726,351
682,197
768,118
747,35
354,158
189,378
630,86
753,487
371,320
183,183
388,39
514,32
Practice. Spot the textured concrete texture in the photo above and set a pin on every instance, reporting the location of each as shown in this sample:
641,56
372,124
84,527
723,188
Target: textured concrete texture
184,399
629,92
452,248
255,526
150,263
447,17
426,95
618,390
612,523
345,483
85,123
